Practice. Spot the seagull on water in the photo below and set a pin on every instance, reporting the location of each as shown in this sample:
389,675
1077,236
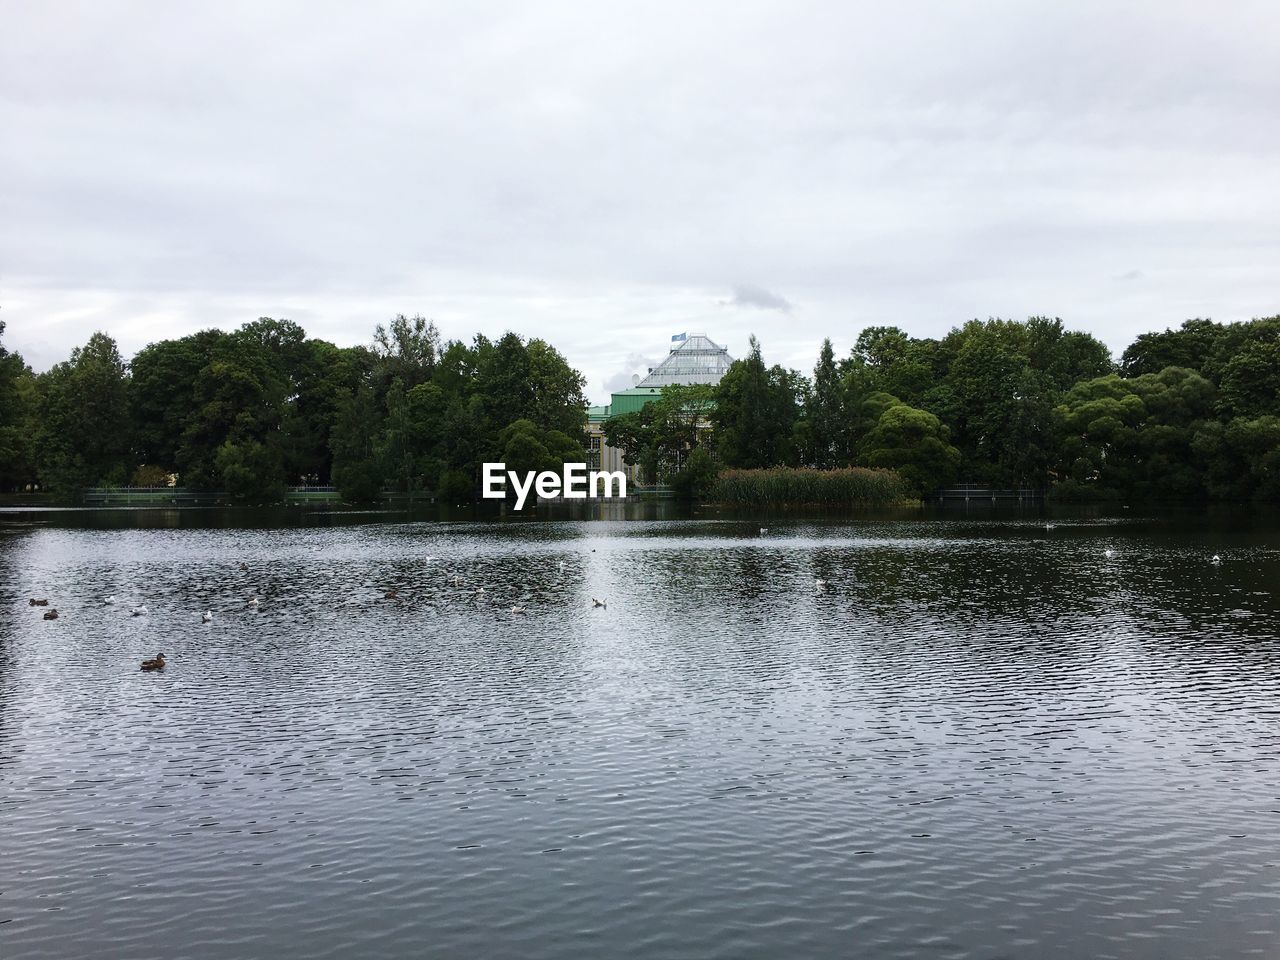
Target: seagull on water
764,530
599,603
819,584
1216,559
252,602
1108,553
110,599
517,609
206,617
138,611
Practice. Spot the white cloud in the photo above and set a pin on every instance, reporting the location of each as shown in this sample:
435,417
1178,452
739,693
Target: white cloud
591,173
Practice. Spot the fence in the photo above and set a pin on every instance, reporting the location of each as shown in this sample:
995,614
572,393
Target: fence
978,494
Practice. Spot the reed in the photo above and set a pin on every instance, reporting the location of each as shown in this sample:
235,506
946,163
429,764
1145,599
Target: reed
806,485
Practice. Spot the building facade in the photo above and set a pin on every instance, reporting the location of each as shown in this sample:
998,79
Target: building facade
694,358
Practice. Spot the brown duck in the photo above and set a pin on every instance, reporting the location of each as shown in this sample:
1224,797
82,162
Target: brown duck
51,614
33,602
154,664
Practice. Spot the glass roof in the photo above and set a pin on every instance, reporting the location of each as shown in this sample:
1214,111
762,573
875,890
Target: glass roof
699,359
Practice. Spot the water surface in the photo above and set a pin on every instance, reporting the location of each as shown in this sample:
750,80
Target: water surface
981,738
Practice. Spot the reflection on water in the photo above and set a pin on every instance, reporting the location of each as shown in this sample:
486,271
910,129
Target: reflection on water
981,737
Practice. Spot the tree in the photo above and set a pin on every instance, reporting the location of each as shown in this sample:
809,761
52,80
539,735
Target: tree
408,349
825,435
357,472
1251,381
756,409
84,435
162,393
914,443
18,401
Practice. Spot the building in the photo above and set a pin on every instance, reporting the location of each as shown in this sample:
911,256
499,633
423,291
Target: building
694,358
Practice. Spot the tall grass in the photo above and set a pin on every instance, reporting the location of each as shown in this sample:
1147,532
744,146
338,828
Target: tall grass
805,485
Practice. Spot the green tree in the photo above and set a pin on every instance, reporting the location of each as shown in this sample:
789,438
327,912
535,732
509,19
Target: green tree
756,409
357,471
18,402
825,431
84,434
914,443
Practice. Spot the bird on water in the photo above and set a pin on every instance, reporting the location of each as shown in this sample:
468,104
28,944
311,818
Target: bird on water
206,617
137,611
51,614
155,663
599,603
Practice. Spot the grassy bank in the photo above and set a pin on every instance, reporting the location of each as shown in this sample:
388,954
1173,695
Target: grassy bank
802,485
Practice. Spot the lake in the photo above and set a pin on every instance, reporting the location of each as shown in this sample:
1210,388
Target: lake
981,737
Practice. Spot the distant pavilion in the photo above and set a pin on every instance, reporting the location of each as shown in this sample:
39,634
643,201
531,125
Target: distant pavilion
694,358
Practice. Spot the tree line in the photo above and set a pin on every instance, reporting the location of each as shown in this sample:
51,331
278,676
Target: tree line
1191,412
250,411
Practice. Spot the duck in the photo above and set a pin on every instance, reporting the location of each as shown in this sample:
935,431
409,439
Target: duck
517,609
155,663
599,603
51,614
137,611
206,617
244,566
33,602
391,595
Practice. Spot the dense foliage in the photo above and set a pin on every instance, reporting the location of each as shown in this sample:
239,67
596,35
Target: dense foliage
1192,412
251,411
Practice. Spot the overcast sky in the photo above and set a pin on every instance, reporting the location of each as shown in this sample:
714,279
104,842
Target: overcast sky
604,175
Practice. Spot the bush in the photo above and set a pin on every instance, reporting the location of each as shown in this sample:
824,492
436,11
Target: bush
791,485
148,475
698,477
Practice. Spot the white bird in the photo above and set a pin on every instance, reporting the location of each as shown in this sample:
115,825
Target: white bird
562,566
764,530
138,611
819,584
206,617
1108,553
252,602
110,599
1049,526
517,609
1216,559
479,590
599,603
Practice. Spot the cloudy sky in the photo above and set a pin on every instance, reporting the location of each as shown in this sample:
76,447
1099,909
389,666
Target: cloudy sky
605,174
